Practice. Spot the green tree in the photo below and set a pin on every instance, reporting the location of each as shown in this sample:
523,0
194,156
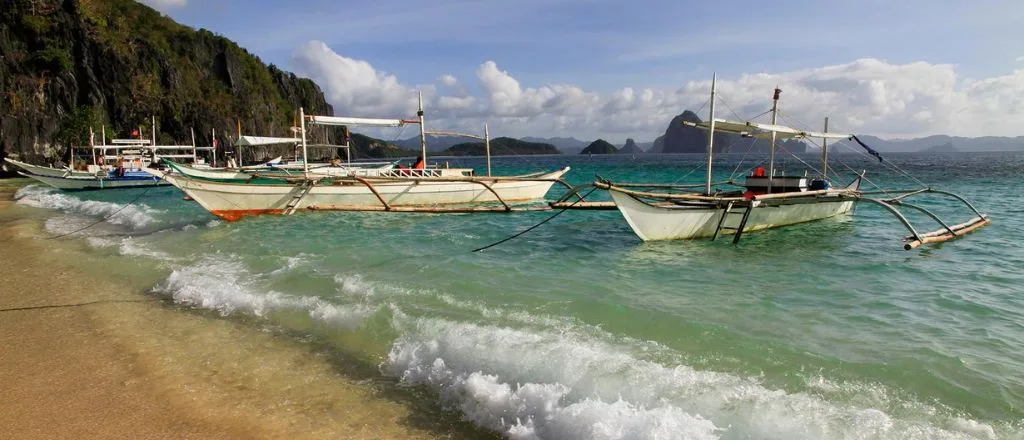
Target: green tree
74,128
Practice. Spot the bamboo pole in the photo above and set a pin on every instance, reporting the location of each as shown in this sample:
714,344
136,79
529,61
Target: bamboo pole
771,154
305,151
423,131
711,134
213,143
942,235
387,207
487,146
153,145
824,153
584,206
92,144
428,209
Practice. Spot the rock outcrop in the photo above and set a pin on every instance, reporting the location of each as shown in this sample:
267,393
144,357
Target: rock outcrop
66,65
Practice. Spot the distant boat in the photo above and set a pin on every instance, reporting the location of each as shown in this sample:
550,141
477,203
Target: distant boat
765,199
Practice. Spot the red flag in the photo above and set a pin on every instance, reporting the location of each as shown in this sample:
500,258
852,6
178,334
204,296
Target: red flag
214,143
135,132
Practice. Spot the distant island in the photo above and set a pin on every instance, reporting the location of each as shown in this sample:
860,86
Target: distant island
630,148
944,148
502,146
600,146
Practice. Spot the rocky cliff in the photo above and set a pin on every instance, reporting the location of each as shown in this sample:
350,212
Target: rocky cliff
630,147
679,138
66,65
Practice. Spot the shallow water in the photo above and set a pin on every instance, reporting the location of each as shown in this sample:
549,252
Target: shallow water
579,330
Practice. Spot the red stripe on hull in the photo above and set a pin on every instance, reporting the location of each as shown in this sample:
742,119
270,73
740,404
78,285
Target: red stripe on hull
237,214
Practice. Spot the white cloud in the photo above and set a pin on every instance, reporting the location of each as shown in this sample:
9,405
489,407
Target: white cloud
1020,59
867,96
165,5
353,86
448,80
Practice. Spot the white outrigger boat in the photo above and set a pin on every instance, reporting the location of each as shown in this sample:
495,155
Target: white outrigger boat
763,201
427,189
100,172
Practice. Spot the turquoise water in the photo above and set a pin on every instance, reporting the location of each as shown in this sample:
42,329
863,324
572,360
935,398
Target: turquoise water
579,330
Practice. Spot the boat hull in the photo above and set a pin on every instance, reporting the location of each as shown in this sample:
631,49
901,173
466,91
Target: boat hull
47,171
235,200
662,222
86,183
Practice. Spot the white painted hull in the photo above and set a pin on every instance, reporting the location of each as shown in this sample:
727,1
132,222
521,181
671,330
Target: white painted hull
232,201
92,183
47,171
684,222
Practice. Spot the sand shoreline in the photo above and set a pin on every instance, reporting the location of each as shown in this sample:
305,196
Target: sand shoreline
89,358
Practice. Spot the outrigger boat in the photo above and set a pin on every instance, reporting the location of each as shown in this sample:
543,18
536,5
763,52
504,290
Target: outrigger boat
100,173
427,189
763,201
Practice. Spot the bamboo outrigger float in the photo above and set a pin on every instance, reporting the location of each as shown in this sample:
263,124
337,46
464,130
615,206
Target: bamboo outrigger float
426,189
765,199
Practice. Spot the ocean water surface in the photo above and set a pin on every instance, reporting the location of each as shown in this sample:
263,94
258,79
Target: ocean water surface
579,330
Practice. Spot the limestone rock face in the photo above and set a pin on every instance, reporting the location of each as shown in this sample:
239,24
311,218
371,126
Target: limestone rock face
66,65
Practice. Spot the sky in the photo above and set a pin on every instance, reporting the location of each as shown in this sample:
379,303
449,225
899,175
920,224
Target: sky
622,69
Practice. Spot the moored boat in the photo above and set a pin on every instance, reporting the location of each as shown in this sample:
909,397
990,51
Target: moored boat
422,188
766,199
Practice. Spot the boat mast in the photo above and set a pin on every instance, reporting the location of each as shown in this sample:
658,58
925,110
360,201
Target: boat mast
824,153
213,146
711,133
305,156
423,131
194,158
771,154
92,144
487,146
153,145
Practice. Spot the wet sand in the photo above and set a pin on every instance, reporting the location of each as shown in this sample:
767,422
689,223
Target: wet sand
83,358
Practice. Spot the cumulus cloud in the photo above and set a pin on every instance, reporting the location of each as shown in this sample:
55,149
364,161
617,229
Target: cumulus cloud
353,86
448,80
867,96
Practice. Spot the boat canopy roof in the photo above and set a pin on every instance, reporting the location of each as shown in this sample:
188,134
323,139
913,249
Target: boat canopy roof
372,122
763,131
262,140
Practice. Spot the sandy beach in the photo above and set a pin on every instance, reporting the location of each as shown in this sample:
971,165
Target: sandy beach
87,358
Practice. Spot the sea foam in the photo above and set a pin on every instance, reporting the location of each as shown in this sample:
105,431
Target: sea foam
225,285
540,384
135,216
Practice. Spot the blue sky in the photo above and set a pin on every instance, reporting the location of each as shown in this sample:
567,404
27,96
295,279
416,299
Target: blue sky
602,47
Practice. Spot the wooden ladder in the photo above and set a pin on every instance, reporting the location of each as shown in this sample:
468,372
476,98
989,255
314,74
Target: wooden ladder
739,228
293,204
